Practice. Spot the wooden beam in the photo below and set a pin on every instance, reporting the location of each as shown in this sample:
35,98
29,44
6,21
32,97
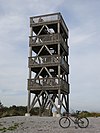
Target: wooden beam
48,72
48,49
29,99
40,30
51,101
39,72
40,50
36,99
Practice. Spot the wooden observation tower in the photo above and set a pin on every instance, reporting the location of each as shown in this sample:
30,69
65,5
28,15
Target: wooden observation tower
48,84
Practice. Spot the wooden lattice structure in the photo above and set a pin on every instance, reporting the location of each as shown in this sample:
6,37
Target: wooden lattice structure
48,84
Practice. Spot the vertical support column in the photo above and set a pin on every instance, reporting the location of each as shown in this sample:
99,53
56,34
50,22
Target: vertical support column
30,75
67,102
59,91
29,100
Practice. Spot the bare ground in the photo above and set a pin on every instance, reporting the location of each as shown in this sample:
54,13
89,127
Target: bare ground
33,124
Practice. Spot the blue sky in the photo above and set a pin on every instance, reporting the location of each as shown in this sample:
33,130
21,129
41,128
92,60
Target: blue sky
83,21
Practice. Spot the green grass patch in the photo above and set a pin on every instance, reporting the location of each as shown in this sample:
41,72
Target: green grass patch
4,129
11,128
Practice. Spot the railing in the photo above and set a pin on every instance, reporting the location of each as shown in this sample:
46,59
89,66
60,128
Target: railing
48,18
37,61
53,82
45,18
43,82
64,64
64,25
43,60
33,40
64,44
50,38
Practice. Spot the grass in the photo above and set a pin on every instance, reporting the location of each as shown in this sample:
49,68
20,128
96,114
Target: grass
10,128
3,129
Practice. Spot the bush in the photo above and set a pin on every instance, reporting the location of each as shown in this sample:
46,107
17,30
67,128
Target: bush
89,114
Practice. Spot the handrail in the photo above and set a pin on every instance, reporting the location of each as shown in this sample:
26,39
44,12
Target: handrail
38,60
33,40
49,81
44,18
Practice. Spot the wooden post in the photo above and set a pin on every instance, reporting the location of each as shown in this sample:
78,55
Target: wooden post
59,91
29,99
29,93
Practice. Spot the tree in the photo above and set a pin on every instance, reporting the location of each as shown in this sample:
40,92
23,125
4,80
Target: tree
1,105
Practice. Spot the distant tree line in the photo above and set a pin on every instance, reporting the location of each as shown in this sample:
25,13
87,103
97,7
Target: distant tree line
21,110
18,111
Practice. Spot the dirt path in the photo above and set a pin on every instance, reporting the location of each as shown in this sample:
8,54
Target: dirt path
33,124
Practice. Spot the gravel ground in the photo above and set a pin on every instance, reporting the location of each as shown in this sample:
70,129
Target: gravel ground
33,124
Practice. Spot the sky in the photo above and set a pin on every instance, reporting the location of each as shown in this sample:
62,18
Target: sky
83,21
